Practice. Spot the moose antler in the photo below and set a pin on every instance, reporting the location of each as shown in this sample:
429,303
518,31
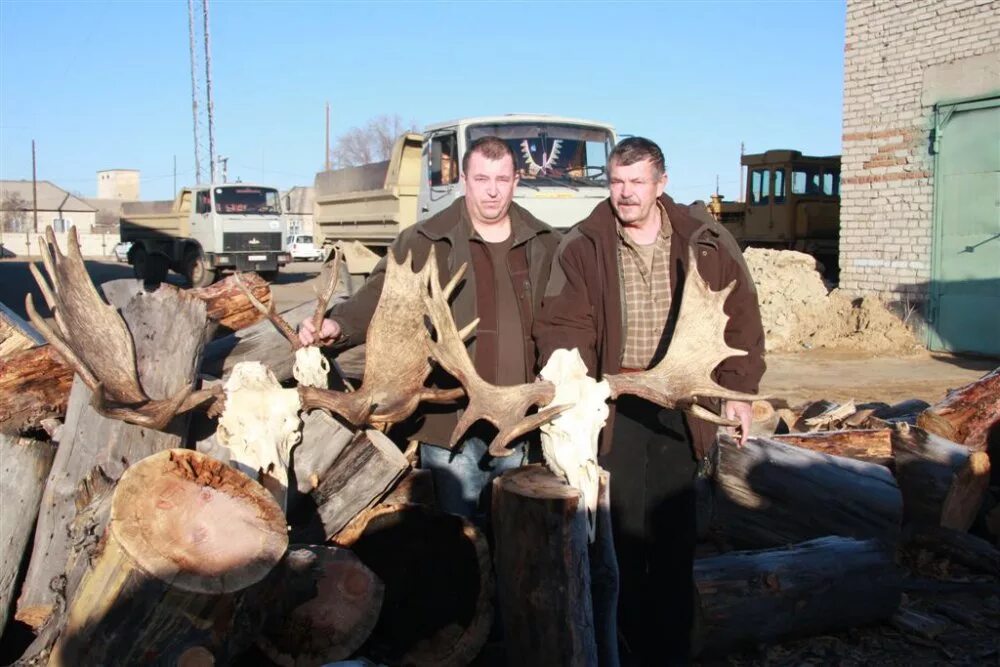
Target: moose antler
504,407
698,345
94,341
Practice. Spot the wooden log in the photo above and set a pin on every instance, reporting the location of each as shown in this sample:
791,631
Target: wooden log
24,467
169,331
769,494
438,584
823,585
545,599
331,604
259,342
968,415
360,475
943,483
967,550
871,445
416,487
15,333
189,537
35,386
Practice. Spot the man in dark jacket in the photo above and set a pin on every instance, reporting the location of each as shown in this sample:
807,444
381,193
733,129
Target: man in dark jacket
614,295
509,253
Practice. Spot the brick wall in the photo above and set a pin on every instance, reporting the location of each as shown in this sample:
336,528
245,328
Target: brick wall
900,58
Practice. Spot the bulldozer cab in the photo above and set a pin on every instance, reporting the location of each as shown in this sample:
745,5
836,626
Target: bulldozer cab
792,200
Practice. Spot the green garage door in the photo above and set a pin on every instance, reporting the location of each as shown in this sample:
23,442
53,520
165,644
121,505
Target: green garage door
965,273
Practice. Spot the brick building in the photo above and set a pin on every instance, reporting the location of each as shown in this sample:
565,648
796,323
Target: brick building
920,188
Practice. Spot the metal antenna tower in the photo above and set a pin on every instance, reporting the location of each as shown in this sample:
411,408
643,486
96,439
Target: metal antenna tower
194,92
201,94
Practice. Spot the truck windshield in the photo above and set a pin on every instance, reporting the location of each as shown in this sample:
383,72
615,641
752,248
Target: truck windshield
246,200
553,154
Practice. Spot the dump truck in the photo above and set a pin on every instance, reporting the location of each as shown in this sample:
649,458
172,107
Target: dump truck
562,164
791,201
206,230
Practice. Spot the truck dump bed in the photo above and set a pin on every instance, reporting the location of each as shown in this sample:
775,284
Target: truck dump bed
371,203
153,219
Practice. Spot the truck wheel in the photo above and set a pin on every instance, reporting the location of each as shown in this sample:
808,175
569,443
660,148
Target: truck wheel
197,270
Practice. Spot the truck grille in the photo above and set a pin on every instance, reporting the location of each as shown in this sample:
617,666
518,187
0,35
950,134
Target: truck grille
251,241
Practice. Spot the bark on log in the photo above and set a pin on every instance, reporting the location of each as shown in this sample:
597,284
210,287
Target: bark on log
189,537
543,569
770,494
259,342
360,475
438,584
331,603
24,467
967,415
823,585
169,329
35,385
870,445
943,483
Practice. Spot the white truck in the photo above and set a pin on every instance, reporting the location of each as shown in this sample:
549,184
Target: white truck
562,164
205,230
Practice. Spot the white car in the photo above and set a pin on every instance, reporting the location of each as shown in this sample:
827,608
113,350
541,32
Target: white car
300,247
120,251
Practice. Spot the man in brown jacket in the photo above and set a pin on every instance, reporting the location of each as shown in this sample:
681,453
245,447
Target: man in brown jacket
509,253
614,295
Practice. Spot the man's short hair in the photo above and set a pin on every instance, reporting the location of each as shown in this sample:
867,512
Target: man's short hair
490,147
636,149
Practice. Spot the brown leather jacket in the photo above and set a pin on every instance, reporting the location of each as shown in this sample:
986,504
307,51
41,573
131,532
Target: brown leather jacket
450,233
582,307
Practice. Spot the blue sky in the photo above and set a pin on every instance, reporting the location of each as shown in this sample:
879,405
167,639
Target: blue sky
102,85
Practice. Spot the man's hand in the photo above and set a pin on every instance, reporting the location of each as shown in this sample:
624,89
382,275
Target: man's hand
329,332
742,411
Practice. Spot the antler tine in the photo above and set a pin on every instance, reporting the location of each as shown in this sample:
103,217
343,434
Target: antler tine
56,342
323,298
504,407
277,320
697,347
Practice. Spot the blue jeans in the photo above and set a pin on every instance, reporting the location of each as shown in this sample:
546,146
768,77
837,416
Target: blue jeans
464,475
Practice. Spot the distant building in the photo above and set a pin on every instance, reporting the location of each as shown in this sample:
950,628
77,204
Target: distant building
56,207
120,184
298,204
919,222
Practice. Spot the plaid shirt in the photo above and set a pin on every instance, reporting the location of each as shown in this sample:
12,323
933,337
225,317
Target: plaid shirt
647,295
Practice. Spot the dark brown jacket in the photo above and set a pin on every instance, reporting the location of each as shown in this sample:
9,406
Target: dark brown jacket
582,307
450,233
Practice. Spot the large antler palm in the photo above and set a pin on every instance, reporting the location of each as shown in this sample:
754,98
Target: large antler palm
94,340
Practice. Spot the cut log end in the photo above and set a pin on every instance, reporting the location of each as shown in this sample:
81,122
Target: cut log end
538,482
194,521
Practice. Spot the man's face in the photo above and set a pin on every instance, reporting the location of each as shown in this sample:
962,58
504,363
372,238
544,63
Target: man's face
489,188
634,190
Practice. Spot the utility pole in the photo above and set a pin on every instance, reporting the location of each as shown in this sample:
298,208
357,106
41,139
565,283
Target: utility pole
34,188
225,168
326,162
740,182
208,93
194,95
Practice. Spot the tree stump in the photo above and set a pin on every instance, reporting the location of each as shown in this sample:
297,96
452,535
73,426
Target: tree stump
770,494
169,329
331,604
753,597
870,445
438,584
24,467
968,415
543,569
188,539
943,483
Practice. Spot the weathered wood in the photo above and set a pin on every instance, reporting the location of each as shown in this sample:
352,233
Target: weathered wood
188,539
259,342
35,385
823,585
438,584
24,467
769,494
329,604
943,483
15,333
169,328
545,598
361,474
968,414
960,547
871,445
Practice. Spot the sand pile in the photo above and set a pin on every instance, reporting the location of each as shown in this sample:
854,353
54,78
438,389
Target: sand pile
800,313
